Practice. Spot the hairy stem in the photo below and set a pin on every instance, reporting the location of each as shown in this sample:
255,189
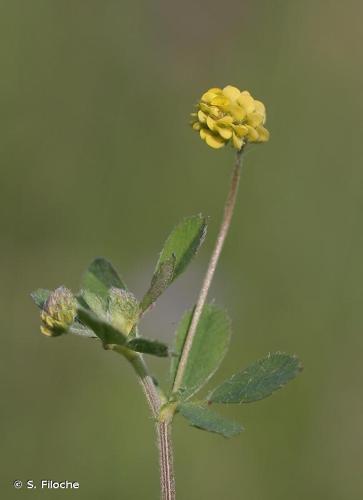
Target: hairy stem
163,429
166,461
148,384
223,231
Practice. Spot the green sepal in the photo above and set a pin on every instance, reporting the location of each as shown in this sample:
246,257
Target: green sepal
104,331
148,346
205,419
259,380
183,242
209,347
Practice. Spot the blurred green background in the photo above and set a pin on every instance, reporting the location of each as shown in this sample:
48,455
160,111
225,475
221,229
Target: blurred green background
97,159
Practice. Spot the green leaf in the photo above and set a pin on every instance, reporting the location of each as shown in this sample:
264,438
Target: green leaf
100,277
259,380
81,330
161,279
104,331
207,420
40,296
208,349
148,346
93,302
183,242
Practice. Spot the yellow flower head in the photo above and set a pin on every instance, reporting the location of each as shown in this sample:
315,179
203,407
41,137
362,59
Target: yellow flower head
229,115
58,312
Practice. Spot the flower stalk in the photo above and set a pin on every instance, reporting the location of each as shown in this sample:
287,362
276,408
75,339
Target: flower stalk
203,294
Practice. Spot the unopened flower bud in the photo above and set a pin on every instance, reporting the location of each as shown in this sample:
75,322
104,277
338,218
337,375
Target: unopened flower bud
123,309
58,313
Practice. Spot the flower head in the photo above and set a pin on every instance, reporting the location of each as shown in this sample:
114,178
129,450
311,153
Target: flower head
229,115
58,313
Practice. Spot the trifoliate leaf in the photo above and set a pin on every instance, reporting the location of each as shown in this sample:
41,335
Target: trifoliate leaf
100,277
183,242
208,349
203,418
259,380
148,346
104,331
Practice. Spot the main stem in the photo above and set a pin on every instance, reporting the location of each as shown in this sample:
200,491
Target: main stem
163,429
223,231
